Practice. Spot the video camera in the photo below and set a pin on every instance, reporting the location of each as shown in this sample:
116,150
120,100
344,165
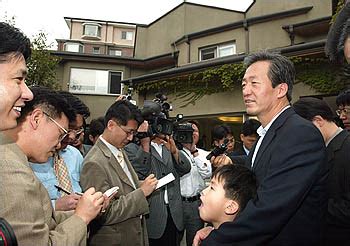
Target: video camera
156,112
218,150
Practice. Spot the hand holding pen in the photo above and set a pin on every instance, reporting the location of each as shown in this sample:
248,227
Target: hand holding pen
67,202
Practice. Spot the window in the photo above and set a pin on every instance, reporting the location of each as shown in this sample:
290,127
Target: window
74,47
114,52
217,51
127,35
93,30
96,50
93,81
208,53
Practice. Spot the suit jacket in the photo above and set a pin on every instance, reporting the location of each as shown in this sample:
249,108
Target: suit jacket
122,223
338,215
26,205
290,207
240,151
147,163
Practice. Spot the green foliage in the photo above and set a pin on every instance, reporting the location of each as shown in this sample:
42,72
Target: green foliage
315,72
194,86
42,65
320,74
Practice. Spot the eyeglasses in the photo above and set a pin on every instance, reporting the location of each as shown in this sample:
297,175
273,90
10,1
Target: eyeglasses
346,111
128,133
77,133
65,132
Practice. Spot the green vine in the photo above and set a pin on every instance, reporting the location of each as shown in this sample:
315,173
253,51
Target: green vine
315,72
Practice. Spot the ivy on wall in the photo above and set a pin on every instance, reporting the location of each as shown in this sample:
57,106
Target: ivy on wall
315,72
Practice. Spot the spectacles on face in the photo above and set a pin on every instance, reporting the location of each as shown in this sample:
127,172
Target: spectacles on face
344,110
77,133
65,132
127,132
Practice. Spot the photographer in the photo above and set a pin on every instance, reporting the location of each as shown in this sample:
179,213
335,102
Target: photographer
160,156
193,183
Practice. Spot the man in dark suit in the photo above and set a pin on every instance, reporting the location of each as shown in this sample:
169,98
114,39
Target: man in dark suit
248,137
161,157
288,161
338,145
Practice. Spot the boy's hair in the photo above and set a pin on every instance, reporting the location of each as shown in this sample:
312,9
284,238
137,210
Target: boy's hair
49,101
240,183
123,111
250,127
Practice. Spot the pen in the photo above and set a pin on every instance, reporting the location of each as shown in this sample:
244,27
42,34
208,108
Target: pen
67,192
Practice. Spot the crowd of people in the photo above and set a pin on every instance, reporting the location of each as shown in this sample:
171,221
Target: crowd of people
288,183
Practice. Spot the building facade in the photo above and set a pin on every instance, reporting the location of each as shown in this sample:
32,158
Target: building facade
101,56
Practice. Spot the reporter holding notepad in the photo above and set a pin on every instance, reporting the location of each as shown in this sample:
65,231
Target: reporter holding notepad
105,166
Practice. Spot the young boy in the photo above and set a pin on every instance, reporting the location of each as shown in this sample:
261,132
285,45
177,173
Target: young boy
230,189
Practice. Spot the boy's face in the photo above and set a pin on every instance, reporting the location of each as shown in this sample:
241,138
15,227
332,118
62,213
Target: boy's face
216,207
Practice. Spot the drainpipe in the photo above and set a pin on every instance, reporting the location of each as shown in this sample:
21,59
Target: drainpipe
188,42
246,29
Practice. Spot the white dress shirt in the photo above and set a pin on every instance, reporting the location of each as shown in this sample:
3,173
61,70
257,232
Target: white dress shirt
192,183
262,132
119,156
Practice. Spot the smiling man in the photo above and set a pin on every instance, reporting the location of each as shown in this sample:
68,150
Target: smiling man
14,51
25,203
288,161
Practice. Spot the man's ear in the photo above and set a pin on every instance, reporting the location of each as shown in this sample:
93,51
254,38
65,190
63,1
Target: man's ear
35,118
282,90
318,121
231,207
110,124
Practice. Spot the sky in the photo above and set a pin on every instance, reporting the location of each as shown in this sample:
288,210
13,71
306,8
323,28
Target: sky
33,16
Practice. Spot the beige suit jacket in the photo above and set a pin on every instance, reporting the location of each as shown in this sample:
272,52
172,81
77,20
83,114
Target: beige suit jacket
123,222
25,204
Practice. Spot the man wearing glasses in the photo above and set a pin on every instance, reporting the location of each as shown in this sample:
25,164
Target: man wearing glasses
105,166
61,173
24,200
343,111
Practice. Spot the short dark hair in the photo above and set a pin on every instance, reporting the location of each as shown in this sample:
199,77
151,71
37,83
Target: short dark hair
49,101
77,104
343,98
123,111
250,127
13,43
240,183
309,107
96,126
281,69
220,132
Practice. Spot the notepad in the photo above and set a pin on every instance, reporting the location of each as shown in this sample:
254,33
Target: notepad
110,191
165,180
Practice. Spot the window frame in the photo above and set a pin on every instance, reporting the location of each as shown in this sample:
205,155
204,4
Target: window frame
126,35
80,49
90,92
218,48
97,32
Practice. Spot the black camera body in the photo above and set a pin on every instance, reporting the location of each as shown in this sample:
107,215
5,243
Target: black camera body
156,112
218,150
183,133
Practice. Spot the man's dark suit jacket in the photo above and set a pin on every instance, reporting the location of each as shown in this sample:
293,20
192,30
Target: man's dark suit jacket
291,203
338,215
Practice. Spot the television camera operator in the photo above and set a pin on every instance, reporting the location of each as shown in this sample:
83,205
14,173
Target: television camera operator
157,153
193,183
